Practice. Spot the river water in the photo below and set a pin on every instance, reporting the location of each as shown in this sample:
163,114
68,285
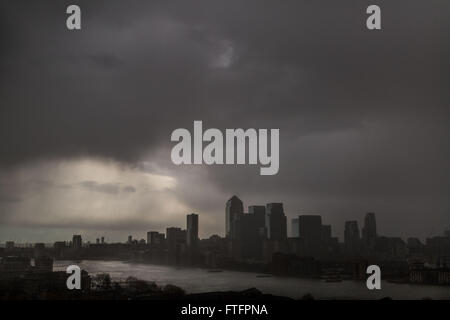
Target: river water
196,280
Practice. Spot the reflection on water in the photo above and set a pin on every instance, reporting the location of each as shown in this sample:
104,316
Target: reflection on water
195,280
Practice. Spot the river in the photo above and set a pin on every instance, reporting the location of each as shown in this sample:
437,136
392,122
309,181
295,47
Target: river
196,280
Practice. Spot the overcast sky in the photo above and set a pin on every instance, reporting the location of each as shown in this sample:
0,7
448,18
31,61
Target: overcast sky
86,116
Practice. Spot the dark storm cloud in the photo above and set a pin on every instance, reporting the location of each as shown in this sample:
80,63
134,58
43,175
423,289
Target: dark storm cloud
363,116
302,67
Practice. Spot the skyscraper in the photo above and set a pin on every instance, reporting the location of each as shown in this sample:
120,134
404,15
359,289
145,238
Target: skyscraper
192,237
259,218
295,228
176,240
310,230
276,222
250,228
351,237
234,209
155,238
192,230
326,234
257,209
369,232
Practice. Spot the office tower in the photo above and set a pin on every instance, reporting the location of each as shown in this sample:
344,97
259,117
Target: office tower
259,213
175,235
369,232
295,228
155,238
76,241
276,222
351,237
176,239
326,234
97,241
130,239
192,230
257,209
310,231
103,240
192,237
234,209
250,231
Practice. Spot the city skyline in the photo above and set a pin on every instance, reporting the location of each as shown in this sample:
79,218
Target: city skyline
256,241
291,222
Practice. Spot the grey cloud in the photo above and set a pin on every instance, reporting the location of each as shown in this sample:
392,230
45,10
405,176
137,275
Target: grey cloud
109,188
363,116
297,67
129,189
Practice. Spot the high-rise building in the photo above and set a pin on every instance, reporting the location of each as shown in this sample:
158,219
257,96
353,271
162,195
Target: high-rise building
234,209
77,242
276,222
326,234
192,230
369,232
155,238
295,228
352,239
310,231
251,233
176,240
175,235
259,220
258,210
259,213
